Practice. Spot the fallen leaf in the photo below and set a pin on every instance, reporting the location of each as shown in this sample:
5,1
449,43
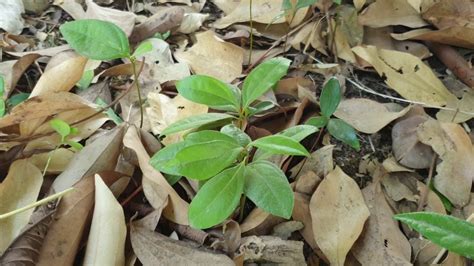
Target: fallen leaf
155,186
382,242
310,34
13,70
320,162
124,20
368,116
455,173
192,22
391,165
227,58
407,75
10,16
106,242
391,12
455,35
153,248
449,13
20,188
59,160
339,213
263,11
466,104
266,249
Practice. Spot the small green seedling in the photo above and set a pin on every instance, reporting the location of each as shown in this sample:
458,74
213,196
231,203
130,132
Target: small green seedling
102,40
65,130
338,128
449,232
222,160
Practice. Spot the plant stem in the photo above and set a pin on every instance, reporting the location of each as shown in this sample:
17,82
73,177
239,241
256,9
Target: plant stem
242,206
50,157
251,33
140,101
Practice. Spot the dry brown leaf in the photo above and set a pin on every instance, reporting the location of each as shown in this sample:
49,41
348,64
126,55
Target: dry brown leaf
455,35
424,251
396,190
307,183
444,14
391,165
106,242
339,212
124,20
407,75
368,116
382,242
263,11
153,248
192,22
391,12
155,186
342,48
20,188
225,5
359,4
13,70
466,104
60,159
319,162
310,34
455,173
72,217
267,250
214,57
61,77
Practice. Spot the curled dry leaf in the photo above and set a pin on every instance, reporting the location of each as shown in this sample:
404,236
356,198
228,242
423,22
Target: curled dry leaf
382,242
455,173
20,188
407,75
153,248
106,242
339,212
368,116
391,12
155,186
227,58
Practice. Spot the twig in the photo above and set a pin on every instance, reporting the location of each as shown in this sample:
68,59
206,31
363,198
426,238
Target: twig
425,192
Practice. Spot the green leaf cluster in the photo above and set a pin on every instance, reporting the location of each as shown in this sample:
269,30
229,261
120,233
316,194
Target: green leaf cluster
221,160
65,130
338,128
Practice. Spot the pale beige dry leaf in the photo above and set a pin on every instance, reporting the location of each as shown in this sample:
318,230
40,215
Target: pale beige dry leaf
263,11
455,35
382,242
192,22
391,165
424,251
214,57
368,116
319,162
338,212
12,70
72,7
396,190
226,5
10,16
61,77
466,104
306,183
309,34
391,12
433,202
99,155
454,259
407,75
20,188
51,51
123,19
72,217
267,250
341,45
444,14
155,186
153,248
106,242
455,173
359,4
60,159
298,17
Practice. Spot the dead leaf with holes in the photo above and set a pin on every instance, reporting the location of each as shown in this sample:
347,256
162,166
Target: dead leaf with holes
338,212
407,75
213,57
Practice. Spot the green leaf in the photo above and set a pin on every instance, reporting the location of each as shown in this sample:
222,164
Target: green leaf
278,144
317,121
172,179
343,132
266,185
209,91
451,233
217,199
208,136
286,5
2,101
237,134
194,122
299,132
76,146
260,107
61,127
85,80
96,39
304,3
143,48
2,107
338,2
17,99
330,97
262,78
109,112
165,159
203,160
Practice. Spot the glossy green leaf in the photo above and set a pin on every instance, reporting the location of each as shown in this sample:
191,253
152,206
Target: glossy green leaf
266,185
217,199
172,179
209,91
208,136
17,99
85,80
451,233
76,146
330,97
304,3
61,127
109,112
317,121
194,122
74,131
237,134
279,144
204,160
144,47
262,78
260,108
96,39
343,132
165,159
